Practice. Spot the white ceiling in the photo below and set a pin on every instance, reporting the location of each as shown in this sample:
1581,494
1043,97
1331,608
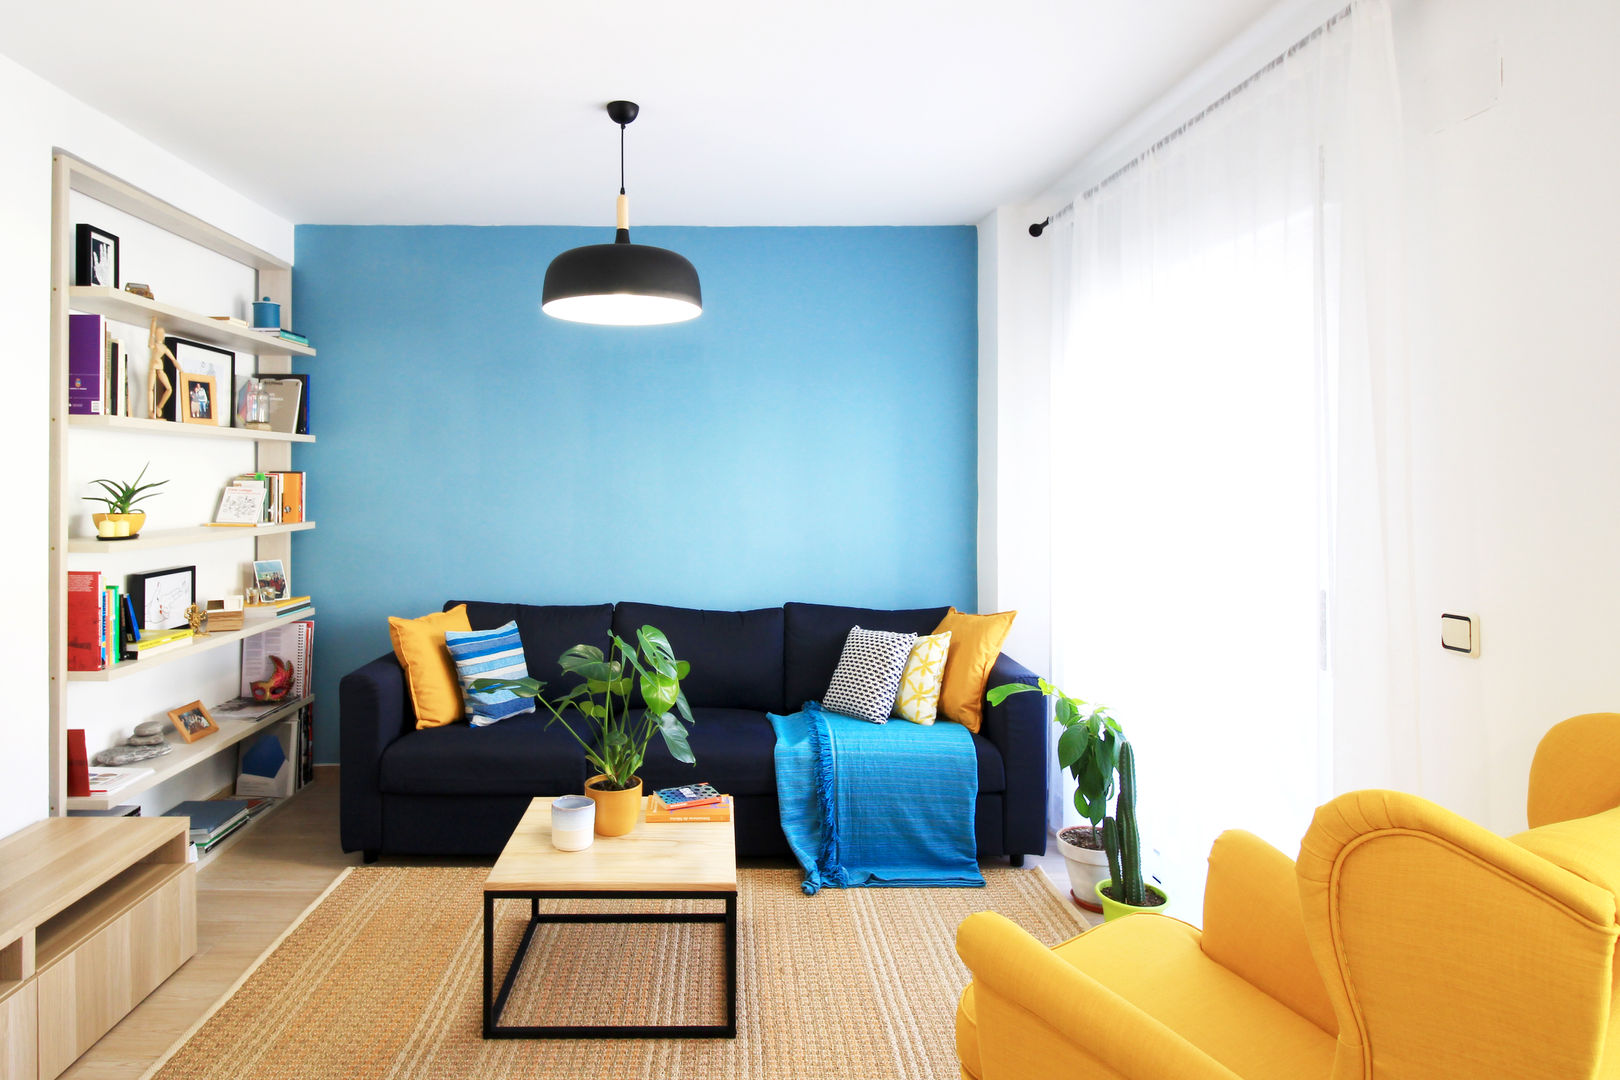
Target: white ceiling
754,112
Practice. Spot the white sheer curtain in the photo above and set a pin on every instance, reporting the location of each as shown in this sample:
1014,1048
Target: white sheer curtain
1228,453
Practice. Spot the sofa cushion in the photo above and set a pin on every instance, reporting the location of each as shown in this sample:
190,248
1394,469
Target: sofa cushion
735,751
548,631
736,656
518,756
813,639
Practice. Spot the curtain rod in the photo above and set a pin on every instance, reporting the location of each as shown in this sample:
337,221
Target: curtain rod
1039,227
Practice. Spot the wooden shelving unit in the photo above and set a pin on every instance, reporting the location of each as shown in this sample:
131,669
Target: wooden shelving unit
195,534
185,755
199,645
143,426
272,451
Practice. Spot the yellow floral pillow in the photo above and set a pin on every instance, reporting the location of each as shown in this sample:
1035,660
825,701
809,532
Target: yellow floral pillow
918,700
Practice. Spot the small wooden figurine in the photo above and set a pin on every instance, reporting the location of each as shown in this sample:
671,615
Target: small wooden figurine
156,376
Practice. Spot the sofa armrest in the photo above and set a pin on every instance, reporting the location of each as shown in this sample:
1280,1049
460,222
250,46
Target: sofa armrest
1037,1015
1018,728
1576,771
1253,926
372,713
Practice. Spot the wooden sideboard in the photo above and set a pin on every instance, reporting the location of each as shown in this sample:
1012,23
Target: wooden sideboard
94,914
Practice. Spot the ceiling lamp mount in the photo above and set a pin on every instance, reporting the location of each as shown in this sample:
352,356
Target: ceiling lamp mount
621,284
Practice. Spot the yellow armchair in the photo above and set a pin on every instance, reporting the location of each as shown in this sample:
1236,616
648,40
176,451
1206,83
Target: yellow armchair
1406,944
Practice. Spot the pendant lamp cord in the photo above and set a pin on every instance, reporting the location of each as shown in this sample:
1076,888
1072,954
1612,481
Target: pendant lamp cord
621,159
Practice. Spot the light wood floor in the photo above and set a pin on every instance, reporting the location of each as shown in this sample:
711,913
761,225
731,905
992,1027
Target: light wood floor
245,899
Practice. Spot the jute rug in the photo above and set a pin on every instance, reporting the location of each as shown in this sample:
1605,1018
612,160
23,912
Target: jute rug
383,978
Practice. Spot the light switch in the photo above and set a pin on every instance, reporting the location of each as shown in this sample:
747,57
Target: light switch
1459,633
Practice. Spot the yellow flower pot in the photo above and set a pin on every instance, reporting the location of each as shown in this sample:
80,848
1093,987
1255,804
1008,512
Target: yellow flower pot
1114,909
135,519
616,811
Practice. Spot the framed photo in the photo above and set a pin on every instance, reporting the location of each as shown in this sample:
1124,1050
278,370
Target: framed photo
271,580
199,399
96,258
193,721
162,596
195,358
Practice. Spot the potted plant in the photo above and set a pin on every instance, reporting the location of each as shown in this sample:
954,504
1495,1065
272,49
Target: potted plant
120,502
614,736
1124,893
1089,749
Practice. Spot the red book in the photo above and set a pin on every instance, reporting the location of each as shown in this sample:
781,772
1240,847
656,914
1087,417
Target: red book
84,652
78,764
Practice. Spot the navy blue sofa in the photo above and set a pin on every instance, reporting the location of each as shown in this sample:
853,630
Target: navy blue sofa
459,790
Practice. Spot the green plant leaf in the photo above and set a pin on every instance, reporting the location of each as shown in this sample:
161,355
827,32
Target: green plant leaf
682,669
573,659
659,692
655,647
675,738
997,694
1071,744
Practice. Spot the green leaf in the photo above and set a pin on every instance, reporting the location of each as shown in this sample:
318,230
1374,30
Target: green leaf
579,656
655,647
527,688
659,692
997,694
675,738
1070,746
682,669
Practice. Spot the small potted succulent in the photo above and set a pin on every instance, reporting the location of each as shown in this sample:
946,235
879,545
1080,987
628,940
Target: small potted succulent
614,736
1125,893
120,500
1089,748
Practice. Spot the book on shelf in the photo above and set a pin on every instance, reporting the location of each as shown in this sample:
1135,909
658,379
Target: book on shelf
205,846
210,818
129,629
157,642
676,798
109,780
275,609
245,708
292,498
720,811
86,647
266,765
286,395
126,810
279,332
78,764
86,364
292,643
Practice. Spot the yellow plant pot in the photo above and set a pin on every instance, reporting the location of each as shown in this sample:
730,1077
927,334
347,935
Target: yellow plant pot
616,811
135,518
1114,909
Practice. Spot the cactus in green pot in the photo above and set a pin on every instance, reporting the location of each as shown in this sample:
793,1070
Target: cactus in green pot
1122,841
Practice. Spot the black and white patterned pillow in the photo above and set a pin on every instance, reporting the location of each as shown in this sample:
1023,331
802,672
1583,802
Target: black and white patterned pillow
867,678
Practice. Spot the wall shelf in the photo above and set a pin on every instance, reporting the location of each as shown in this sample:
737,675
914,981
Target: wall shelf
185,755
199,645
195,534
143,426
126,307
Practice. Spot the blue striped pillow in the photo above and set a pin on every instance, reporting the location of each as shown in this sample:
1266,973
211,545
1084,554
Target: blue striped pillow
489,654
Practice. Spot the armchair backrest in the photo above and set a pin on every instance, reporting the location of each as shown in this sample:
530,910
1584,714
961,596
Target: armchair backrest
1447,950
1576,771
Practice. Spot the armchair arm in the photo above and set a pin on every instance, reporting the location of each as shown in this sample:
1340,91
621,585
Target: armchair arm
372,713
1576,771
1253,926
1451,948
1040,1016
1017,727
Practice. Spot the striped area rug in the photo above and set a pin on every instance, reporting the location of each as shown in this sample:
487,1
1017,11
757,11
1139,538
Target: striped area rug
382,978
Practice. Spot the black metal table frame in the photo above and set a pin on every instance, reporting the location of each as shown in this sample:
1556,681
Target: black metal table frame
494,1029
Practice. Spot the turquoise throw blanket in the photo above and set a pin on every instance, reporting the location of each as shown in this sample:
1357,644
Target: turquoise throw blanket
877,804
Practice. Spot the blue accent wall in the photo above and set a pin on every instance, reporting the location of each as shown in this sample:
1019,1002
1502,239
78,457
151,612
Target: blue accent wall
812,436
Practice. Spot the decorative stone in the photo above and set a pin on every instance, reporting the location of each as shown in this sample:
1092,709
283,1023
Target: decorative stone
144,740
128,755
151,727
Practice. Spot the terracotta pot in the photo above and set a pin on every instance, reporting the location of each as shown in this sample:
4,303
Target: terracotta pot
1114,909
136,519
1087,868
616,811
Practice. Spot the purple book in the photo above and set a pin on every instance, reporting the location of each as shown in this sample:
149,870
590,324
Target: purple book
85,364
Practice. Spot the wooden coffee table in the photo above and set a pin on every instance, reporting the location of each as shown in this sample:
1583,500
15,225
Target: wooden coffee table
690,860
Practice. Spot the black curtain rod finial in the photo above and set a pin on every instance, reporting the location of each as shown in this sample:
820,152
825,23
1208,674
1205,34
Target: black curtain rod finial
1039,227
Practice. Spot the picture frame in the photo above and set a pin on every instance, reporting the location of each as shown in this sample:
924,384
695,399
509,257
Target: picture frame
193,721
271,580
162,596
199,399
195,358
95,259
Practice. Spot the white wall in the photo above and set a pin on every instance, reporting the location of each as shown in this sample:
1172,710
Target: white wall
37,118
1514,273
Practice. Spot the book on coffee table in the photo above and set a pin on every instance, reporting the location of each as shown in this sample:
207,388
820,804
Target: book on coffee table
676,798
720,811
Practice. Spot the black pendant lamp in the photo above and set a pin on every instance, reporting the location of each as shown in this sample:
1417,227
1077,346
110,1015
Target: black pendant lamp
621,284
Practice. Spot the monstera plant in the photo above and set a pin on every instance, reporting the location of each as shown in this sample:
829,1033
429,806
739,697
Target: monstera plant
598,713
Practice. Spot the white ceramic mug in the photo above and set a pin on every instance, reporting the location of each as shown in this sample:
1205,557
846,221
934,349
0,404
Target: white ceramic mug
573,822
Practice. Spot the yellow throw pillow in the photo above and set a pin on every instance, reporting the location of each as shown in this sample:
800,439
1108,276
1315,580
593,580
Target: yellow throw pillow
430,674
975,644
918,700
